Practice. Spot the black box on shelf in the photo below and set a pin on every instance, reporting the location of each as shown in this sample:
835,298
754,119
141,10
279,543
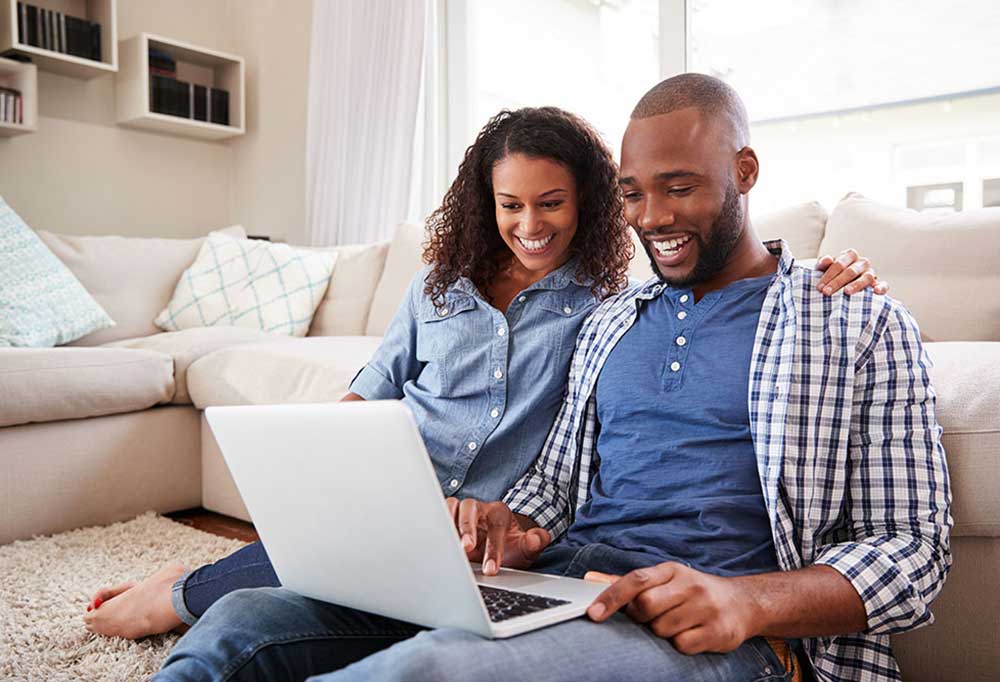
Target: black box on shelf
219,106
169,96
199,104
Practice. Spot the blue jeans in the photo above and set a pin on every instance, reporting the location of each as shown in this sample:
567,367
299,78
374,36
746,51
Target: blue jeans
275,634
245,568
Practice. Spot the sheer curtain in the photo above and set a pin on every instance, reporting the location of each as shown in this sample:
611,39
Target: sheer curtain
364,90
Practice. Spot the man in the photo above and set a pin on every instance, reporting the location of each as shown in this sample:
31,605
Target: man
760,464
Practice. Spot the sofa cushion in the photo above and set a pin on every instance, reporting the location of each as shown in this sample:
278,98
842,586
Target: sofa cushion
313,369
404,260
966,377
943,267
131,277
190,344
801,226
42,385
344,309
42,304
249,283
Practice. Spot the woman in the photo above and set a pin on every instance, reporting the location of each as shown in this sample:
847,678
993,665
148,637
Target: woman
529,238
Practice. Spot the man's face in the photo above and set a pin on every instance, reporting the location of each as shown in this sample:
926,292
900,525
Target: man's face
678,180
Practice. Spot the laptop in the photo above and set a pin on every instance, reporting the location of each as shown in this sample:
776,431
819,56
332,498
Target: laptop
346,501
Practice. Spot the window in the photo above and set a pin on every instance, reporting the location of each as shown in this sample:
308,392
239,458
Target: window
594,58
935,198
897,99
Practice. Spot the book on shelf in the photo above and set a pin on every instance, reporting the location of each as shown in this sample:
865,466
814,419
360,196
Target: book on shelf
11,106
173,97
162,62
218,106
59,32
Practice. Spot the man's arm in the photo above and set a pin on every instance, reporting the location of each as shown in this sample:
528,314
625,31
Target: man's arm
897,552
700,612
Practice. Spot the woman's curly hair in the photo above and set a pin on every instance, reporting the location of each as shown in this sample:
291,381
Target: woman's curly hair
463,237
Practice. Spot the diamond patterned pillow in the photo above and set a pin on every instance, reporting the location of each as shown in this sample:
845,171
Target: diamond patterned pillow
249,283
41,303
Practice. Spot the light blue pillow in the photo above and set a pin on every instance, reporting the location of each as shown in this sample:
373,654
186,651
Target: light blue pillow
41,303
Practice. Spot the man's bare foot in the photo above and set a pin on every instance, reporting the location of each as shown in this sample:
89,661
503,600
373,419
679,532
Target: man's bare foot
133,610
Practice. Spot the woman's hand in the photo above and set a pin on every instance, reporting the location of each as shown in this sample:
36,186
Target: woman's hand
850,272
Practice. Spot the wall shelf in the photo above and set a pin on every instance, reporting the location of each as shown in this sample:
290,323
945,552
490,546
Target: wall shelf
24,78
103,12
198,65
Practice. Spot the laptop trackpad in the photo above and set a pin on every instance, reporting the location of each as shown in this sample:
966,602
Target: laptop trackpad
512,580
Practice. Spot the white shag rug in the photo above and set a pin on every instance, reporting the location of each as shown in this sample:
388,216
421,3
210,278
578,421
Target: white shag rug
46,583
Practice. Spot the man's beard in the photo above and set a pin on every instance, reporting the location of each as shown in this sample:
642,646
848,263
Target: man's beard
727,228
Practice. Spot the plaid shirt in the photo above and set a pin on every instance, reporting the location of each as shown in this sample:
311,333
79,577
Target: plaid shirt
848,451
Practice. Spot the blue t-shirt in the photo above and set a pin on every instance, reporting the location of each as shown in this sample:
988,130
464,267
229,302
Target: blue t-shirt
677,477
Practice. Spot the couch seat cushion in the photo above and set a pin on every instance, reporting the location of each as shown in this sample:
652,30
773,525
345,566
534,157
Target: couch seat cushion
966,376
49,384
190,344
313,369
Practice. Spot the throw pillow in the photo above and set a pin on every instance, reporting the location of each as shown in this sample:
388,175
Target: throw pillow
249,283
41,303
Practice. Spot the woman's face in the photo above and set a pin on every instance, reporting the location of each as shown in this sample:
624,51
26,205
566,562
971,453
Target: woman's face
537,210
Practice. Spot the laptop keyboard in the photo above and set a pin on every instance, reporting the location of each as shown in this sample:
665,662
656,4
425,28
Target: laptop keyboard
507,604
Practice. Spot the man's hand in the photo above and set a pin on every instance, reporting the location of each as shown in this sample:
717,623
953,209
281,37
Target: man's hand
492,534
696,611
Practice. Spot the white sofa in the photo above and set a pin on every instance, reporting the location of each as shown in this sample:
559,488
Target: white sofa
110,427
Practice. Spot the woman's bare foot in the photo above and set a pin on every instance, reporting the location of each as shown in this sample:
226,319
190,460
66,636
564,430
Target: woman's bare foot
133,610
105,593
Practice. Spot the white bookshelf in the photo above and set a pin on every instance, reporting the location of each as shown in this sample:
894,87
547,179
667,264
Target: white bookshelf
198,65
23,77
103,12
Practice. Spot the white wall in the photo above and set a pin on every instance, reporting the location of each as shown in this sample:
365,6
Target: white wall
269,162
83,174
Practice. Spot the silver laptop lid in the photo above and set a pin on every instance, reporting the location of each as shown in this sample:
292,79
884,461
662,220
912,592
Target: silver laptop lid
305,473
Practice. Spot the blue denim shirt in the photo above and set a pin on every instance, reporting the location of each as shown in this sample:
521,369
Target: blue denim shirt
484,386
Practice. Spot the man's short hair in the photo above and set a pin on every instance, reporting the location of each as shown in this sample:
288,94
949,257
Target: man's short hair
711,96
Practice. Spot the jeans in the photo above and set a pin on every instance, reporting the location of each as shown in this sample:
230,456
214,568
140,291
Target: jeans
197,590
275,634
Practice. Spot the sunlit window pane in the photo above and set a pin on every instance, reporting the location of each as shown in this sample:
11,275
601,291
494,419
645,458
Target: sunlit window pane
592,57
883,97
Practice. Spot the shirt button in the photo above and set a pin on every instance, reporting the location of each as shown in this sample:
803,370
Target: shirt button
501,331
494,413
454,483
522,299
681,340
472,445
684,298
498,374
681,315
567,310
442,312
675,366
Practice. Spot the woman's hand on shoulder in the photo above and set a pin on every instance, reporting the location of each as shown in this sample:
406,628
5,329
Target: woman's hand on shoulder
848,271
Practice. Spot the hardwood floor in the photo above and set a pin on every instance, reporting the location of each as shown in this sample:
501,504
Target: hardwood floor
216,524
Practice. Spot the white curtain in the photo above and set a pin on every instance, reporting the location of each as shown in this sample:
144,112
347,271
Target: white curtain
364,89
